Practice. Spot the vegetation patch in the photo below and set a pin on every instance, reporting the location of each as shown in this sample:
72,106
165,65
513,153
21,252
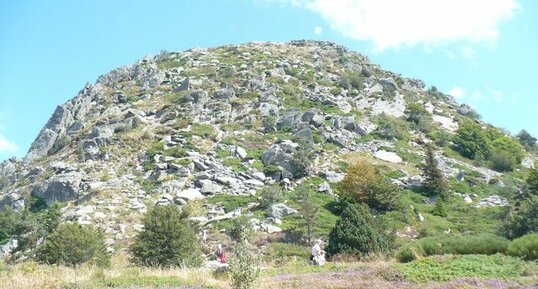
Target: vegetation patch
445,268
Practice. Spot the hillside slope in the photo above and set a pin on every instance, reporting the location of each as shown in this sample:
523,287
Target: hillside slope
213,127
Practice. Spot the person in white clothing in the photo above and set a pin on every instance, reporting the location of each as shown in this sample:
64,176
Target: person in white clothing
317,255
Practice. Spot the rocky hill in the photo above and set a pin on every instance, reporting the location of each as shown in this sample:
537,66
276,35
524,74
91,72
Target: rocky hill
214,126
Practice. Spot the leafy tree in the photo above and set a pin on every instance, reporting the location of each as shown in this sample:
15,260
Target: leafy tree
309,212
471,141
434,183
244,267
355,233
364,184
302,159
72,244
526,139
168,239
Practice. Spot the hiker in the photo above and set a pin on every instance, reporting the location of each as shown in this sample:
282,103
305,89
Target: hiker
317,255
220,254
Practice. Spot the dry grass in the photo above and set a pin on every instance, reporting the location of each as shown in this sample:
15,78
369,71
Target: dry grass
120,275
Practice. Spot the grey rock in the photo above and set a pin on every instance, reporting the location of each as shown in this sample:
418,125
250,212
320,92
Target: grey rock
280,210
64,187
388,156
225,93
334,177
209,187
241,152
9,247
325,188
268,109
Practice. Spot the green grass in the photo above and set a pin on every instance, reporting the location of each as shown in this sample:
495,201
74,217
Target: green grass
148,282
445,268
231,202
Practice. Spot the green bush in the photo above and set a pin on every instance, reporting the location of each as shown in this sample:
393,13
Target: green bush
521,220
271,195
241,229
486,244
168,239
471,141
446,268
525,247
355,233
418,116
72,244
390,128
532,181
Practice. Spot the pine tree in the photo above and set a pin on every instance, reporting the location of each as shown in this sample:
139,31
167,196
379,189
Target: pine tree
434,182
309,213
355,233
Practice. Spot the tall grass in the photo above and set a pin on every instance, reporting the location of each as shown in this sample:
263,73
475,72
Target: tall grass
485,244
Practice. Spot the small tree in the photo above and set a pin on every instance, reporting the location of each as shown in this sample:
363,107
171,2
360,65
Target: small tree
241,229
434,183
168,239
271,195
355,233
309,212
72,244
244,266
526,139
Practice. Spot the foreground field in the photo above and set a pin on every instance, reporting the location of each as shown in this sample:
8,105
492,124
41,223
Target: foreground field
471,271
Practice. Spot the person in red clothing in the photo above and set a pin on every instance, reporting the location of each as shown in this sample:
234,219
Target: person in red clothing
220,254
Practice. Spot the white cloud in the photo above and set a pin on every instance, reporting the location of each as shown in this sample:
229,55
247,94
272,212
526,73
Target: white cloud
318,30
457,92
393,24
6,146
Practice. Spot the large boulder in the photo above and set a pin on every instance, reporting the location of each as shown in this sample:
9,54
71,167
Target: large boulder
281,155
279,211
64,187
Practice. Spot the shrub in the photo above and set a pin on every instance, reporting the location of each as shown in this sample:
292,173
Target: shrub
532,181
244,267
241,229
364,183
355,233
167,240
418,116
525,247
521,220
502,161
486,244
72,244
390,128
271,195
470,141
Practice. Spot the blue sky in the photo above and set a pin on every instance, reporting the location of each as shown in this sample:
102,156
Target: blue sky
483,52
